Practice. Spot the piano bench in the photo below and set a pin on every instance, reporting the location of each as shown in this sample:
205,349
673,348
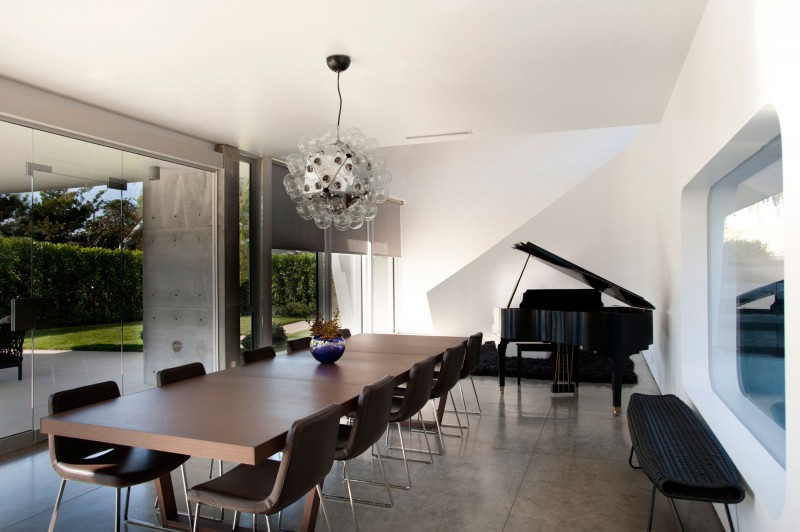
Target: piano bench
679,453
538,347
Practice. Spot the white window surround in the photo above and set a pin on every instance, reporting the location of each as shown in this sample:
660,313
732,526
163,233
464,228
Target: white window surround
762,473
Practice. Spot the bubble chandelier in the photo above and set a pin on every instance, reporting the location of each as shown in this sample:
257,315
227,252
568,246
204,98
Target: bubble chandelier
338,177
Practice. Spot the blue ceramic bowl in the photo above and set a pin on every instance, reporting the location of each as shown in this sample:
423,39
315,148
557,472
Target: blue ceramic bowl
327,351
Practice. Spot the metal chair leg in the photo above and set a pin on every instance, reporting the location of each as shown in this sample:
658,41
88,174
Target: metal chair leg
196,514
185,494
350,495
128,500
438,428
255,522
463,400
236,521
322,505
269,528
476,394
116,509
652,505
58,505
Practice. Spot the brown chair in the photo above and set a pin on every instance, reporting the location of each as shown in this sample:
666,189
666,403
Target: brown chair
471,359
181,373
270,486
298,344
254,355
104,464
346,333
416,394
449,373
369,423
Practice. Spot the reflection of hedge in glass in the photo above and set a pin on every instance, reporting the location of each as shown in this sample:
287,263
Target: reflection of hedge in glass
89,285
294,279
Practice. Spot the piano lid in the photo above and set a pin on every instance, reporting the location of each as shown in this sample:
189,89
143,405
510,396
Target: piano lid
584,276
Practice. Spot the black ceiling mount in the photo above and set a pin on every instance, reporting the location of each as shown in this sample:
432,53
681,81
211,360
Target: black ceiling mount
338,63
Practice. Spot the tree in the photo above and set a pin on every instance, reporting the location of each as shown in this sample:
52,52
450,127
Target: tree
56,216
117,224
14,209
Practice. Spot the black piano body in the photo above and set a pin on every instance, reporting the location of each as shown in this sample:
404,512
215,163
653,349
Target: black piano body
577,318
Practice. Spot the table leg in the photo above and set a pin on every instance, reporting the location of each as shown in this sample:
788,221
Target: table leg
310,511
168,510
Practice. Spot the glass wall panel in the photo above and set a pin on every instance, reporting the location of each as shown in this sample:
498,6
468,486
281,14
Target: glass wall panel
16,149
73,239
346,270
294,295
245,292
383,294
746,247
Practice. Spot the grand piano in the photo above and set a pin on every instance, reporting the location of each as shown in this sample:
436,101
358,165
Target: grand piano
576,318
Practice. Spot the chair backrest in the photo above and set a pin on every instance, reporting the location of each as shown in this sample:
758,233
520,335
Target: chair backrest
473,355
418,390
254,355
372,417
346,333
298,344
63,449
307,456
450,370
180,373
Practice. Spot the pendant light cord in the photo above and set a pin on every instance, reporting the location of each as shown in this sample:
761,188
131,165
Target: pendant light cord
339,119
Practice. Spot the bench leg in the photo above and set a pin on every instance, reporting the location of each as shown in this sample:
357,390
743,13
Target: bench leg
730,521
652,505
630,460
19,372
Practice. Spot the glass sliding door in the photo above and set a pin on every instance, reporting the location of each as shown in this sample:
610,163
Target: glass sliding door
16,149
76,285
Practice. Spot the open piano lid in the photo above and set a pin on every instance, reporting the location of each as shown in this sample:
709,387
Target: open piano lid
585,276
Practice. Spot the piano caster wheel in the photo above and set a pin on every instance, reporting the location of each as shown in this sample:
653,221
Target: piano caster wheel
616,411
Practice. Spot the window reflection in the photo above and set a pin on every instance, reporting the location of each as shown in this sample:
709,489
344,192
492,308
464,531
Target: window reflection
746,248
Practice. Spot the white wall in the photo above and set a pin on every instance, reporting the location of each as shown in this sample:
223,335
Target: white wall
630,222
460,198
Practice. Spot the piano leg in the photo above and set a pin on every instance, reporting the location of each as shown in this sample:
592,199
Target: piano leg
616,382
501,364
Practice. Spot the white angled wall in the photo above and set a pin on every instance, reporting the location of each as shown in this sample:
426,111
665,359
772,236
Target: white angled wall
460,198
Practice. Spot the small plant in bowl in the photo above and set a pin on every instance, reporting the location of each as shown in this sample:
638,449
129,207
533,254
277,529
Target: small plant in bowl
327,344
326,329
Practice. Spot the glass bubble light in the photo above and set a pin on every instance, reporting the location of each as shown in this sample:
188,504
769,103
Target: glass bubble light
337,178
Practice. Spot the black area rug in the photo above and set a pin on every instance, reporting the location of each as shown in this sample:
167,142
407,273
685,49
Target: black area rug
590,368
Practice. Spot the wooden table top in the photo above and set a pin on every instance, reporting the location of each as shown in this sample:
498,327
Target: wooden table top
242,414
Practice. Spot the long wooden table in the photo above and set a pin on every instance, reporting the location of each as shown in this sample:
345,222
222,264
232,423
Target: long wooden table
243,414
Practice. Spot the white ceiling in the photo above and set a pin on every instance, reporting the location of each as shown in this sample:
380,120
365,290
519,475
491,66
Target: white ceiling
252,73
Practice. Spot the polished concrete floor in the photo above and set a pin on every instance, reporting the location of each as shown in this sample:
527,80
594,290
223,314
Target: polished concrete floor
530,462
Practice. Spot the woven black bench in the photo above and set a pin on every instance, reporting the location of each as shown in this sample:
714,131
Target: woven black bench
679,453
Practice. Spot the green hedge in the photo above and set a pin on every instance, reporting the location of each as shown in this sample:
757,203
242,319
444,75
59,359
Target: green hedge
95,285
294,279
89,285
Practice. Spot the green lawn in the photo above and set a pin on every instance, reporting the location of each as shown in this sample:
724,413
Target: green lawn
107,337
90,337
